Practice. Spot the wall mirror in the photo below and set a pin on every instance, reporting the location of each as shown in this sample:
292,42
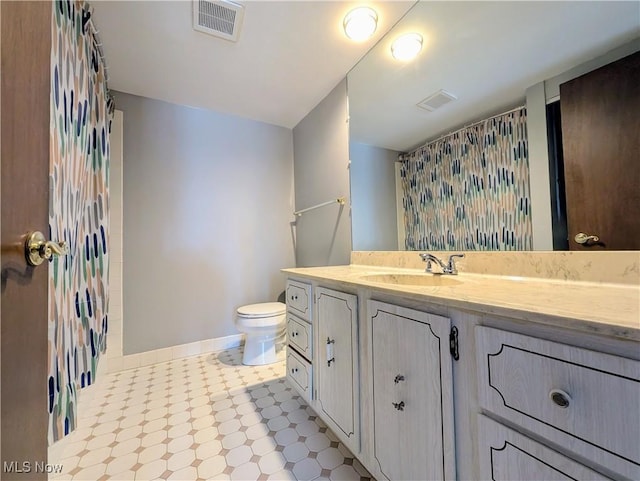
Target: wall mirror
492,57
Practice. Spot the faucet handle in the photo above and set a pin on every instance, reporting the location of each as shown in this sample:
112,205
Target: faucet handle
426,257
451,267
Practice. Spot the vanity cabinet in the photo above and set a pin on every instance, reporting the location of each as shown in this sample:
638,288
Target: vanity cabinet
532,400
585,402
411,370
337,394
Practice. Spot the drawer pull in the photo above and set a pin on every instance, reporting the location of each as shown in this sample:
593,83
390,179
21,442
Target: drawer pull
294,370
560,398
294,333
294,298
399,406
398,378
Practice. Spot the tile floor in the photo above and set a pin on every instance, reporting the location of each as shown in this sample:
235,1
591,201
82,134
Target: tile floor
201,418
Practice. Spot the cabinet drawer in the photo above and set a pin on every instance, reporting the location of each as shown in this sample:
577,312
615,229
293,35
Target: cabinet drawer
299,299
300,335
507,455
299,373
584,400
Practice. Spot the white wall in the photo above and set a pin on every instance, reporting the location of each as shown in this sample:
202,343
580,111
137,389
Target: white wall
373,198
206,220
321,151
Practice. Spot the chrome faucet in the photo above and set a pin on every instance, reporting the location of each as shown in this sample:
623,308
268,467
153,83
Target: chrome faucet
449,268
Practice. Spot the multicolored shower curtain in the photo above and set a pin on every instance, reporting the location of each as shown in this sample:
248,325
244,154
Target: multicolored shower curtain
78,211
469,190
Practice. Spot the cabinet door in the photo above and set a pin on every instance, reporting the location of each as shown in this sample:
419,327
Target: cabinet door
412,393
337,368
506,455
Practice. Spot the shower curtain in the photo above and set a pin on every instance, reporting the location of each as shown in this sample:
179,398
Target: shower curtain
81,111
469,190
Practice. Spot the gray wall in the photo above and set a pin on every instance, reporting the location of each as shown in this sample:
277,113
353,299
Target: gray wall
373,198
207,206
321,171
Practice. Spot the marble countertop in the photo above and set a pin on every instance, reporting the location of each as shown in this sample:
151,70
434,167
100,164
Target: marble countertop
597,308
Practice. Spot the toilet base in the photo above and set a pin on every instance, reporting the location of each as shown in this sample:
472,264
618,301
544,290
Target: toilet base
259,350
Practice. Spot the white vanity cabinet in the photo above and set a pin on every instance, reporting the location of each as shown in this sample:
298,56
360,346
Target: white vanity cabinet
337,372
413,429
585,402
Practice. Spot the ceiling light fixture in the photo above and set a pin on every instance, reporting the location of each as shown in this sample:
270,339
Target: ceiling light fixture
407,46
360,23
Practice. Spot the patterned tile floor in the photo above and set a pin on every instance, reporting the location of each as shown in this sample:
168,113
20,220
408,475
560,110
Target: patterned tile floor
201,418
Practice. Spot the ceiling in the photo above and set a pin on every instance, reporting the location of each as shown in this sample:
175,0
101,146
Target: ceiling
289,55
486,53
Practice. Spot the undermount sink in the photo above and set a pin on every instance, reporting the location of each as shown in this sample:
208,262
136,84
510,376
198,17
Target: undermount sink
432,280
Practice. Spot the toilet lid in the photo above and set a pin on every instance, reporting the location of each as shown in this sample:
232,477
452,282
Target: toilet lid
266,309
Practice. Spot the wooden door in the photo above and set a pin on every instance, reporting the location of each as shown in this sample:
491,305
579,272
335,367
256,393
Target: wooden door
601,145
25,83
337,368
412,394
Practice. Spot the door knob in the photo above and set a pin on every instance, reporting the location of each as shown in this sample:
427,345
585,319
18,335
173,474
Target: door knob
585,239
37,249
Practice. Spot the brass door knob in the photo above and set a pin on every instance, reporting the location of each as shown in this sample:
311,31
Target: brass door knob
586,239
37,249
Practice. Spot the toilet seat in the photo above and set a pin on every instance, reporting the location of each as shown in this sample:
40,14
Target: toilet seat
266,309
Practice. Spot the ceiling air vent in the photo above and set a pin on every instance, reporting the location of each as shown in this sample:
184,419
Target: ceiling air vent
220,18
437,100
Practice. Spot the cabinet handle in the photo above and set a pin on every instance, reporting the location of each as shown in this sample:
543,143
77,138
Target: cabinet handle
560,398
294,334
330,357
294,370
398,378
399,406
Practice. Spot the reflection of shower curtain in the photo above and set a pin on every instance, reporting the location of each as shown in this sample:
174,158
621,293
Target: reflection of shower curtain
469,190
78,211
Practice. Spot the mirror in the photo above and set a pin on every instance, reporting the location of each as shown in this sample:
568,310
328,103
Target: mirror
492,57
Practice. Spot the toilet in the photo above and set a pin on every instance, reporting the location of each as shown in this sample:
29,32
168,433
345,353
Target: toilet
263,325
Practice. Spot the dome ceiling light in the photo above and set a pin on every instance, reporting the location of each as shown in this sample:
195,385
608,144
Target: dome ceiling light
406,47
360,23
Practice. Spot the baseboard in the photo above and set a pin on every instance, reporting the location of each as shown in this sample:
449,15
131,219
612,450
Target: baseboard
133,361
